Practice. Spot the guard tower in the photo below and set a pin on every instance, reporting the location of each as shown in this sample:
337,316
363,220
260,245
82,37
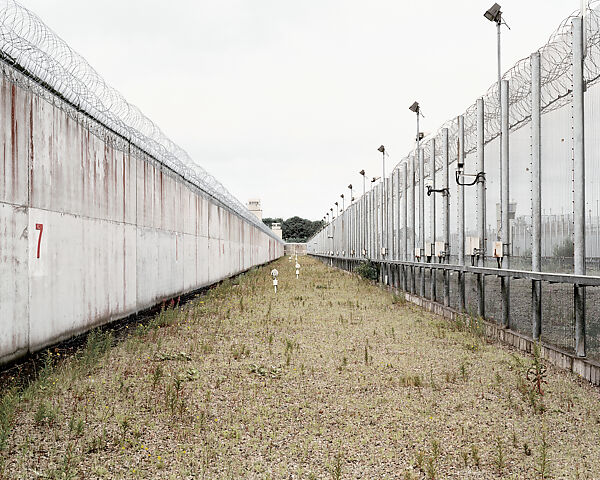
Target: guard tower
254,207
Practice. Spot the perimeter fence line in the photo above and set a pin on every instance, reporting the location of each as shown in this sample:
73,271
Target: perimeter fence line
495,219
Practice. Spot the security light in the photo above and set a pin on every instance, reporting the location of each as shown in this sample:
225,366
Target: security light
375,179
362,172
381,149
350,186
342,195
493,14
336,204
414,107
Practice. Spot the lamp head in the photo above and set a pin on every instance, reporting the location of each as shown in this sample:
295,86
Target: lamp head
350,186
362,172
342,195
381,149
414,107
493,14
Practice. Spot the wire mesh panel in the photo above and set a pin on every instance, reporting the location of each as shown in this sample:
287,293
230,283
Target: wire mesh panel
520,306
493,299
558,322
427,275
471,298
454,291
593,322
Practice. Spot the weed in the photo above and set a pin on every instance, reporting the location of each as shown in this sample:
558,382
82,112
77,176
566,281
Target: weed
542,462
398,299
239,351
475,456
8,404
76,426
499,459
45,413
536,374
157,375
336,468
420,461
368,270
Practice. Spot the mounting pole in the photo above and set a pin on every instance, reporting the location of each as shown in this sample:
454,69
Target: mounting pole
433,272
446,212
506,240
481,205
461,216
579,182
536,194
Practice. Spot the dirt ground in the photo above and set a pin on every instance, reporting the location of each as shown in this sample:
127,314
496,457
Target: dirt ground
330,378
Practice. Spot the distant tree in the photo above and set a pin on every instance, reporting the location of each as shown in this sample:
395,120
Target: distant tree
295,229
268,221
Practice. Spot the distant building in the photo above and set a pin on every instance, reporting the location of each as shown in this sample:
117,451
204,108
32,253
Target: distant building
294,249
276,227
254,207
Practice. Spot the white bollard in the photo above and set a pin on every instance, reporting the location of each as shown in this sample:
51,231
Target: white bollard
297,270
274,274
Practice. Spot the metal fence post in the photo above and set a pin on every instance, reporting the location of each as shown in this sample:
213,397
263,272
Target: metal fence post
536,194
481,185
411,223
403,210
422,220
433,271
446,213
461,216
505,235
579,182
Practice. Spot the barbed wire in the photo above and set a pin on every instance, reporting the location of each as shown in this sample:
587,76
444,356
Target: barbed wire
556,88
37,59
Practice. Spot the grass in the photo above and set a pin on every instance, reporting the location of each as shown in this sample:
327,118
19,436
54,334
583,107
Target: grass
332,377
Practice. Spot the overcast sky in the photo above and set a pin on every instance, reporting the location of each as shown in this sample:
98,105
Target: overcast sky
287,100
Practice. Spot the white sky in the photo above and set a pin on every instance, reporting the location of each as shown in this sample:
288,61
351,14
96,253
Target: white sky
287,100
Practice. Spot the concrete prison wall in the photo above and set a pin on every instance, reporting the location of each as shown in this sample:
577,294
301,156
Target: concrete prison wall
92,229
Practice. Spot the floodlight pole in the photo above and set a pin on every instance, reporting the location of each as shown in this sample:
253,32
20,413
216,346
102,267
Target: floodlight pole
505,208
579,182
383,202
536,194
461,216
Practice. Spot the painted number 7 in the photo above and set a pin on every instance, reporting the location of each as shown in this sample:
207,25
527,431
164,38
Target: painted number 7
40,227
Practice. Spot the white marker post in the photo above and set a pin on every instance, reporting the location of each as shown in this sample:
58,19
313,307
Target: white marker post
297,270
274,274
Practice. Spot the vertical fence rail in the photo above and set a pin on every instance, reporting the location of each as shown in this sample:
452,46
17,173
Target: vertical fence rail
536,194
461,216
579,180
432,219
481,204
504,208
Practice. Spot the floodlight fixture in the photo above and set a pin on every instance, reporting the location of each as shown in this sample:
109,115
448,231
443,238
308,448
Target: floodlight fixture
494,14
374,179
362,172
350,186
381,149
414,107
